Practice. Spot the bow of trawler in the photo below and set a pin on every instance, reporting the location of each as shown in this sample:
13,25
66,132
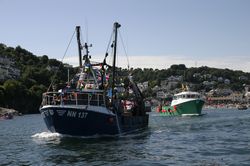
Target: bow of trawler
79,113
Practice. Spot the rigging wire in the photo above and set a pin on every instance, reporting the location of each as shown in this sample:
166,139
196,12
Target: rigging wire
111,36
112,51
52,82
108,46
68,45
124,48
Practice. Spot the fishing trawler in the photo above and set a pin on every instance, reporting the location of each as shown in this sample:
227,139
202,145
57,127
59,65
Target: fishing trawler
185,103
91,104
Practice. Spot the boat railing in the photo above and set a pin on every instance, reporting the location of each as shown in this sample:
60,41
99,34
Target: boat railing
187,96
73,98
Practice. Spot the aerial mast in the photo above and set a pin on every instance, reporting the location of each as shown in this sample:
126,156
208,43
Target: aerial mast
79,45
116,26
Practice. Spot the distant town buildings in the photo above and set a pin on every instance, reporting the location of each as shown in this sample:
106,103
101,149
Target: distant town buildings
160,95
168,86
208,83
172,85
235,97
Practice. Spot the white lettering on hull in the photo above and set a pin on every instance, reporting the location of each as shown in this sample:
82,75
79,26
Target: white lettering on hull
72,114
60,112
82,115
47,113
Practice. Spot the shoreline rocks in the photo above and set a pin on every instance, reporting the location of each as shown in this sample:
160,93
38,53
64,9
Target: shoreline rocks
6,112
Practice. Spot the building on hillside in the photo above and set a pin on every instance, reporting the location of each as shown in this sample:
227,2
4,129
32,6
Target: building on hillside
243,78
207,76
196,75
156,88
160,95
221,92
143,86
247,95
164,83
208,83
172,85
175,79
227,81
52,68
230,99
220,79
237,97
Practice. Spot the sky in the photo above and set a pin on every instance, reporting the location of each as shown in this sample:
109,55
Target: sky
155,33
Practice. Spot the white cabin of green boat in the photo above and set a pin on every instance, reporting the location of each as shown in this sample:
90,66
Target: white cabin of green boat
185,97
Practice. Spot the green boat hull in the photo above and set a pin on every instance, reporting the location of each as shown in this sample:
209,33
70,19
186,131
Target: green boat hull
189,108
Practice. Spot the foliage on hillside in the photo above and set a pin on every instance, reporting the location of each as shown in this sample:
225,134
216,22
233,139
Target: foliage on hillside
25,93
195,76
37,72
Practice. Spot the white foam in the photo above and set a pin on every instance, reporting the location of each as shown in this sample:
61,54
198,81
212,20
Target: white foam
46,135
158,131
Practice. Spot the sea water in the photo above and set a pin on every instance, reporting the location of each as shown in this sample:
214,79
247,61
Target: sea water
220,137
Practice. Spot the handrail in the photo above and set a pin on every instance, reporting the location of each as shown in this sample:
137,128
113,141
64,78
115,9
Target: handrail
74,98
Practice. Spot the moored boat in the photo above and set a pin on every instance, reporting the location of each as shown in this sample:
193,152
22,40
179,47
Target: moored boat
186,103
6,113
242,107
93,104
6,116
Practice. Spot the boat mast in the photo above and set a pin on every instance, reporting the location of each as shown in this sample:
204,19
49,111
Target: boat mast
116,26
79,45
86,57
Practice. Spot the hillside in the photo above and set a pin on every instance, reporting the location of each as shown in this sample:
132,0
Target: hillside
25,76
202,78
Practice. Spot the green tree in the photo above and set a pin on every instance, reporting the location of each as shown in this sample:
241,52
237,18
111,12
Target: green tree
16,94
44,59
2,96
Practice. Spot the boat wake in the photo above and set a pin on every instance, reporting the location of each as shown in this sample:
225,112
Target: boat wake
46,135
54,136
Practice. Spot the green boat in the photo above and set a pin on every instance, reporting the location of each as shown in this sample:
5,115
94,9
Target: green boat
185,104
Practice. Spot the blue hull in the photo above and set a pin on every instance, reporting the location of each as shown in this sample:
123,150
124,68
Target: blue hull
85,122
